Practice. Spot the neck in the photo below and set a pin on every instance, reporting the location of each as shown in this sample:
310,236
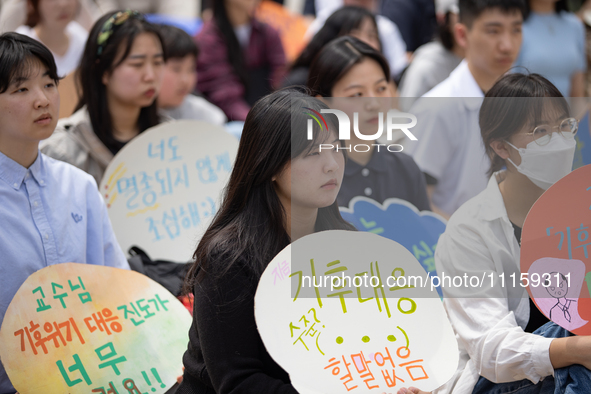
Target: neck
125,121
24,154
519,195
458,51
361,158
299,221
54,38
542,7
237,17
484,80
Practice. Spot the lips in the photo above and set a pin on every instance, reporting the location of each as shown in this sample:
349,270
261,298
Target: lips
150,93
330,184
44,119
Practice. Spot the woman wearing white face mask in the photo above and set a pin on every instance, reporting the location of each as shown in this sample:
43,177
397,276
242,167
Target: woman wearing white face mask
527,128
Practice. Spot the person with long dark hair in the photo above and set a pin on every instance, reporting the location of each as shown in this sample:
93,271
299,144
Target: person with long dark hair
554,46
120,77
281,189
242,59
353,21
350,69
528,132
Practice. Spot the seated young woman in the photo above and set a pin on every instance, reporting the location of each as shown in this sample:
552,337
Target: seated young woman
356,77
120,76
528,132
281,189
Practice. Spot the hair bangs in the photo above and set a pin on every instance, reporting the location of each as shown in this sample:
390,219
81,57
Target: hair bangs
20,57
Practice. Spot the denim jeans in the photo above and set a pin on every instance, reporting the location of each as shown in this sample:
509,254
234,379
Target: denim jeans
568,380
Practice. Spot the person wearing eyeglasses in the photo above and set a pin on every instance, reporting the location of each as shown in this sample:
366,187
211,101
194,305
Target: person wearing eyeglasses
506,344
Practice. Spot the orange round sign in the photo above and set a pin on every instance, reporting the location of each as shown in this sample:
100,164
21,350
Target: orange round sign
556,252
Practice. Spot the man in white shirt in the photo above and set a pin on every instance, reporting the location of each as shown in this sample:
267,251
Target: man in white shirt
449,149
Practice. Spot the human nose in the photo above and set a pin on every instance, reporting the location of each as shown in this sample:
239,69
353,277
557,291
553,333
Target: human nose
331,163
152,72
372,103
507,42
41,99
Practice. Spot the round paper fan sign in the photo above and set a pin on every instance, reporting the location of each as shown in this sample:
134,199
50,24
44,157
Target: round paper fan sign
556,252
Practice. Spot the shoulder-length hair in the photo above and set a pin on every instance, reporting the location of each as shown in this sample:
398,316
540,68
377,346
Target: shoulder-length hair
94,65
342,22
336,59
250,225
514,102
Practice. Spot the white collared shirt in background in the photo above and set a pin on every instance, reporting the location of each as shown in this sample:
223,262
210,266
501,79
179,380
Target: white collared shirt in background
449,145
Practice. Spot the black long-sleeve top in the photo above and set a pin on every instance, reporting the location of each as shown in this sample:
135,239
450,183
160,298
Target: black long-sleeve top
226,353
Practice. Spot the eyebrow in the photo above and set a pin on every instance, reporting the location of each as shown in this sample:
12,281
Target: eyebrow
360,86
20,79
132,57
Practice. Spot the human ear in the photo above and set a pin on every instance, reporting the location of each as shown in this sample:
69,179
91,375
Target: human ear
461,34
501,149
105,78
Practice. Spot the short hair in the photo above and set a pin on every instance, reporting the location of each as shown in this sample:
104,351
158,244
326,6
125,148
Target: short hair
177,42
18,55
513,102
470,10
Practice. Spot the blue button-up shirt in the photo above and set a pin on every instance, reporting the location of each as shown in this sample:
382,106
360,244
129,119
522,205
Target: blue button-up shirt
50,213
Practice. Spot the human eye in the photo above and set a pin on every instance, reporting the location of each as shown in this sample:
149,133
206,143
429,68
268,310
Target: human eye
20,89
542,130
357,94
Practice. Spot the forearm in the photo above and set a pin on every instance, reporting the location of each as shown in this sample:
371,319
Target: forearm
568,351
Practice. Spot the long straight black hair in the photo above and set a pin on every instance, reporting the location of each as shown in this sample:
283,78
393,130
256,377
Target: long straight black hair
220,16
250,224
94,65
336,59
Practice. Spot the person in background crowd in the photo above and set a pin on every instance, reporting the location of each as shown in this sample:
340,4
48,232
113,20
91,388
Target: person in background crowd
393,45
527,128
554,46
449,150
433,62
120,75
52,23
175,8
353,21
350,69
242,59
13,13
51,212
179,78
415,19
281,189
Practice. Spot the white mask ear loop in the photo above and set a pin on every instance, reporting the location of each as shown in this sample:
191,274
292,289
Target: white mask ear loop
518,151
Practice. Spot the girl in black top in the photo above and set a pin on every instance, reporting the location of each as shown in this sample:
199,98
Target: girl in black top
281,188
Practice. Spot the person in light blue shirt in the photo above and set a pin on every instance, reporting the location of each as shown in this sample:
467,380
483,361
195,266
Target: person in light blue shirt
50,211
554,46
